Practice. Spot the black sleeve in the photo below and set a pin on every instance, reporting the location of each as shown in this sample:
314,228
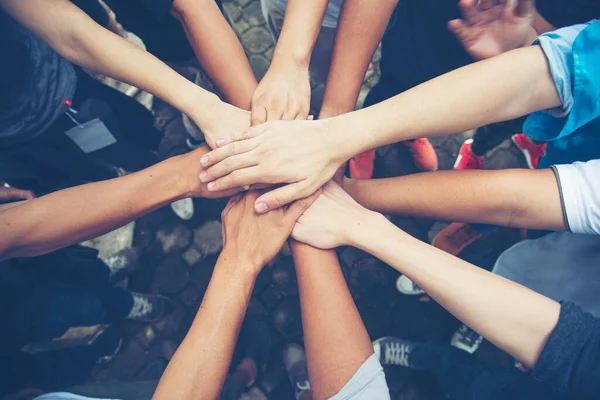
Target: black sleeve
570,360
561,13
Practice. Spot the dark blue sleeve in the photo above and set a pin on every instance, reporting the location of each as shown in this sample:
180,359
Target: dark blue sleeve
570,360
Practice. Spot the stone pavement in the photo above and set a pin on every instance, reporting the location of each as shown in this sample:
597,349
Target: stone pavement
178,258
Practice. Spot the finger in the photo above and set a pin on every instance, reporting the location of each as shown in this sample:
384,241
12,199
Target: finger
274,114
299,206
460,30
258,115
525,8
303,114
311,118
468,9
238,178
232,202
291,111
261,186
227,166
280,197
484,5
229,150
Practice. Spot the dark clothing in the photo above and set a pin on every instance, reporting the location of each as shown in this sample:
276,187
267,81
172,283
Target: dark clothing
33,84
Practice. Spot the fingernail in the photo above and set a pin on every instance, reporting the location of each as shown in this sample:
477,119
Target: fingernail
203,176
211,186
261,208
246,187
204,160
220,142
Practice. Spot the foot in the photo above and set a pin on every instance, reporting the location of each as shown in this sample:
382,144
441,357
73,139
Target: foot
466,339
466,159
294,360
393,351
107,344
149,307
423,154
456,237
532,151
183,208
122,263
408,287
362,165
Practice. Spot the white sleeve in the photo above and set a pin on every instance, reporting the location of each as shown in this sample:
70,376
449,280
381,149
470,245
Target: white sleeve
368,383
580,193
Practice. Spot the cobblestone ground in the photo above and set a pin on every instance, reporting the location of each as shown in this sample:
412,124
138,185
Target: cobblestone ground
179,256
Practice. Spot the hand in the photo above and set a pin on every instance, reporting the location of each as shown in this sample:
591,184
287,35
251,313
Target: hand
221,123
332,218
257,238
283,94
9,194
492,27
299,153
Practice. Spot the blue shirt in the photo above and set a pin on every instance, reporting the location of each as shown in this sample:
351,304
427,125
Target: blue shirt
573,130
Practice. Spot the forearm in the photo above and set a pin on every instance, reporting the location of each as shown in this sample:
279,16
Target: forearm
336,340
515,198
360,29
301,27
514,318
73,215
75,36
218,49
502,88
199,367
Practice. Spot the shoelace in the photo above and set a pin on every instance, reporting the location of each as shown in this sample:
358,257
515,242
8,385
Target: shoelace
397,353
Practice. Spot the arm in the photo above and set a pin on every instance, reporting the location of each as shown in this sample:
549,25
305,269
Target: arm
336,340
505,197
514,318
360,29
73,215
284,92
308,154
199,367
76,37
218,49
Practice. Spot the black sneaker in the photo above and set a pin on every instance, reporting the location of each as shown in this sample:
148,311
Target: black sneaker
107,343
149,307
393,351
294,360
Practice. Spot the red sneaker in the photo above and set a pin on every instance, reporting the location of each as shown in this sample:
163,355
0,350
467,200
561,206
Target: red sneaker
466,159
423,154
362,165
532,151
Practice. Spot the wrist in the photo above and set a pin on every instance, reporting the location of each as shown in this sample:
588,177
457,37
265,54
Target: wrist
200,105
344,141
366,230
285,58
231,260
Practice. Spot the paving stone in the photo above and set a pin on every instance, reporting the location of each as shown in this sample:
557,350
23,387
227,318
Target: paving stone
253,14
270,297
232,10
256,308
350,256
170,276
260,65
208,238
287,319
241,26
171,325
262,281
191,256
257,39
284,277
174,238
253,394
244,2
368,276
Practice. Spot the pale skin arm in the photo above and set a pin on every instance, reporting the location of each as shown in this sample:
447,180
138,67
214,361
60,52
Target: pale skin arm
335,338
218,49
76,37
505,197
69,216
360,29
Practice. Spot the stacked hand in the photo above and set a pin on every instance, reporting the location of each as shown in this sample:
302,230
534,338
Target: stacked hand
257,238
492,27
297,153
11,194
223,123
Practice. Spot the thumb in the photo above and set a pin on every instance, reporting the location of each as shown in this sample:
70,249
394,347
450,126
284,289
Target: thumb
298,208
279,197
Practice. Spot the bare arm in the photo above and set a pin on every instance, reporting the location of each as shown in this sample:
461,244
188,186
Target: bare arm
505,197
360,29
218,49
72,215
336,340
76,37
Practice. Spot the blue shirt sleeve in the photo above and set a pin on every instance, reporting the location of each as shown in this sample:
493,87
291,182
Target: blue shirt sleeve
570,360
573,55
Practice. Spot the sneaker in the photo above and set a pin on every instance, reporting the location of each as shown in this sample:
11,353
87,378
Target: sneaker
149,307
466,159
456,237
408,287
122,263
183,208
107,344
362,165
466,339
294,360
393,351
423,154
532,151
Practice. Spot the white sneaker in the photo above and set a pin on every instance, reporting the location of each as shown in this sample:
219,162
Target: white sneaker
466,339
408,287
393,351
183,208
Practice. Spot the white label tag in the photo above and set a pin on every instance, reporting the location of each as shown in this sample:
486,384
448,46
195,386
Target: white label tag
91,136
